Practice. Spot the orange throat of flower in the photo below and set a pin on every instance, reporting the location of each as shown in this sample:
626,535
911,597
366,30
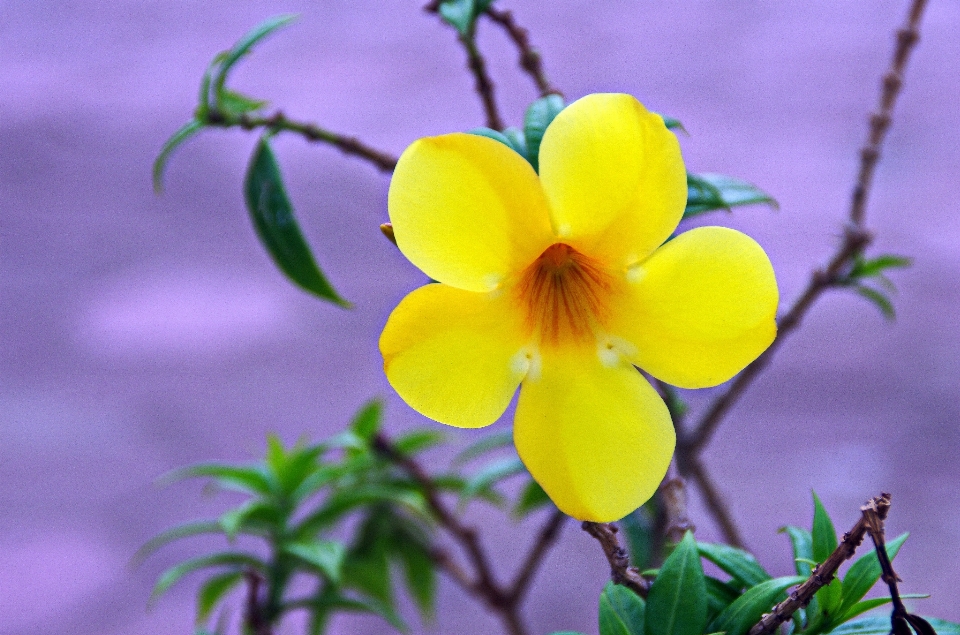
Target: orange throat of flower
565,296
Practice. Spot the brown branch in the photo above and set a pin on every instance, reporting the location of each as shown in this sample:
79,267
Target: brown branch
545,539
530,60
620,570
855,238
279,121
693,467
872,516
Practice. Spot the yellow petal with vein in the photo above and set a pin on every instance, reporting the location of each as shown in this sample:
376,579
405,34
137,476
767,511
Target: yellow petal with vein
454,355
703,307
596,437
614,177
467,210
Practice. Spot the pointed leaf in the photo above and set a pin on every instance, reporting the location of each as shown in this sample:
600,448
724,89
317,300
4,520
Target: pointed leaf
880,625
276,225
720,595
672,123
252,512
621,611
802,543
462,14
511,137
879,300
531,498
709,192
677,603
234,104
368,605
419,440
747,610
824,543
175,141
490,475
325,555
244,44
250,479
639,532
865,572
175,533
366,423
421,577
233,559
484,445
742,566
872,267
213,591
538,117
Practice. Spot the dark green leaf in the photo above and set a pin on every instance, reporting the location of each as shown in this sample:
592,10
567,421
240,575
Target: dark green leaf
175,141
621,611
742,566
879,299
824,543
719,596
347,500
865,572
864,606
243,46
709,192
277,227
420,575
251,512
490,475
677,603
638,529
175,533
532,497
880,625
368,571
538,117
517,141
872,267
213,590
462,14
235,560
671,123
374,607
418,441
802,543
747,610
325,555
247,479
484,445
366,423
511,137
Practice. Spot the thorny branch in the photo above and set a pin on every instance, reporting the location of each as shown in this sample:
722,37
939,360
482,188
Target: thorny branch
871,520
855,240
530,60
620,570
279,121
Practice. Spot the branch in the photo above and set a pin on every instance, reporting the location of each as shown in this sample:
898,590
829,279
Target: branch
278,121
530,60
547,537
620,570
872,517
855,240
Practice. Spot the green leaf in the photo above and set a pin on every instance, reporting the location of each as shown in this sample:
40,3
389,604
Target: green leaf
274,220
484,445
824,543
865,572
742,566
250,479
366,423
802,544
621,611
538,117
873,267
490,475
880,625
212,592
566,633
677,604
531,498
368,570
638,529
372,606
325,555
747,610
175,533
346,500
243,46
709,192
175,141
671,123
420,575
720,595
511,137
254,511
879,300
462,14
236,560
866,605
418,441
234,104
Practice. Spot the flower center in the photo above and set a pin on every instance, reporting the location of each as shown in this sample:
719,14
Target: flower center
565,294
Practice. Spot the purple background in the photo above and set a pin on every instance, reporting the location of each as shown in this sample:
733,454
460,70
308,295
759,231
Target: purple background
139,333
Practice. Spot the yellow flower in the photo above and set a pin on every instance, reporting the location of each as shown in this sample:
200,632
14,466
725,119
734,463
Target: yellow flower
563,283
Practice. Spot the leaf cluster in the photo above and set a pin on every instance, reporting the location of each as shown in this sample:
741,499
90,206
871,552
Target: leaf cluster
867,278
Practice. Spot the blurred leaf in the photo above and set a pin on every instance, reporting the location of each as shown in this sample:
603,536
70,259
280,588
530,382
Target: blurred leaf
621,611
742,566
709,192
250,479
824,543
802,544
236,560
214,590
671,123
719,596
862,607
873,267
366,423
367,568
531,498
486,444
517,141
677,604
747,610
879,299
508,137
380,609
175,533
638,529
243,46
234,104
865,572
419,440
421,577
234,521
490,475
175,141
538,117
344,501
462,14
325,555
277,227
880,625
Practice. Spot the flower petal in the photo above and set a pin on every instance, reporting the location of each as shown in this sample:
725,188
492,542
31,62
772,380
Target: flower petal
703,308
596,437
467,210
454,356
614,177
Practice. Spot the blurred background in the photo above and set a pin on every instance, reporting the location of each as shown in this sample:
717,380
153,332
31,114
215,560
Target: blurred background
140,333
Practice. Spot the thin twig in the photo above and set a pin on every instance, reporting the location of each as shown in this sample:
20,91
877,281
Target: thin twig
693,467
545,539
872,516
620,570
279,121
478,67
530,60
855,239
